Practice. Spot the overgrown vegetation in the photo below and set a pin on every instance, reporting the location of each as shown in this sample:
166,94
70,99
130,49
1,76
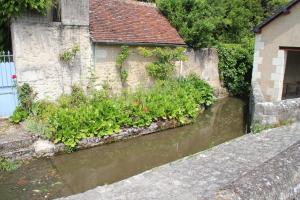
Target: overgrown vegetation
8,165
223,24
26,98
77,116
236,67
121,58
163,66
14,8
257,127
69,55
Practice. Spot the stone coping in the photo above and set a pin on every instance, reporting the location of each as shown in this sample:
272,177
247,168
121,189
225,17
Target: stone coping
268,160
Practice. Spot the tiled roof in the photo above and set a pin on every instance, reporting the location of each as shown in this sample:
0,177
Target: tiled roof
129,21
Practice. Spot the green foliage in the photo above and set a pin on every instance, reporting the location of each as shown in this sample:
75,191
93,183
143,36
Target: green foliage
200,26
100,114
14,8
163,67
121,58
235,67
19,115
214,23
8,165
26,98
69,54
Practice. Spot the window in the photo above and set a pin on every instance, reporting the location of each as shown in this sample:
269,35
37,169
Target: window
56,12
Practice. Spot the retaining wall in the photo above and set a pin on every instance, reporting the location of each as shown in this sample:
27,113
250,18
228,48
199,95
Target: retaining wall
264,112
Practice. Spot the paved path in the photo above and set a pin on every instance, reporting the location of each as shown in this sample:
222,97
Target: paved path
203,175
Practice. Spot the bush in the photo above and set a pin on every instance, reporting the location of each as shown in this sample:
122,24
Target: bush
236,67
19,115
26,98
101,115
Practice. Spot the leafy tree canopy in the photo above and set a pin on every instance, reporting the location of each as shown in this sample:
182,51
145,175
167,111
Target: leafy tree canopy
13,8
206,23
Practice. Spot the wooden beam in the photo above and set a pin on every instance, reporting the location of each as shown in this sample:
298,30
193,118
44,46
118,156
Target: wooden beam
289,48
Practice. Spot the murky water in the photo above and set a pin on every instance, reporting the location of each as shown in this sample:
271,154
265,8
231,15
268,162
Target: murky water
83,170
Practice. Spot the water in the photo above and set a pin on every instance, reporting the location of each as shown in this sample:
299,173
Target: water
68,174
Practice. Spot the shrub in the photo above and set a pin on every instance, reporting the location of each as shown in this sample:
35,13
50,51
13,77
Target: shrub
236,67
19,115
99,115
26,98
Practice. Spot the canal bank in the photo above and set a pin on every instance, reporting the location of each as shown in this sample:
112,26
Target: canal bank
68,174
262,166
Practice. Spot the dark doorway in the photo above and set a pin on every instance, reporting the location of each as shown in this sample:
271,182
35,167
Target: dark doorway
291,83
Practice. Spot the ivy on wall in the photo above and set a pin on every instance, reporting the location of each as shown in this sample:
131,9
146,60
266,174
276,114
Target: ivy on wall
69,54
121,58
165,58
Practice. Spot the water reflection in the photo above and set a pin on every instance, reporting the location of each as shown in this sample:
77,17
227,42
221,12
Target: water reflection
83,170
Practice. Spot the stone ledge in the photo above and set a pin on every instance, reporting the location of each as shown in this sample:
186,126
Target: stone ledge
278,178
34,147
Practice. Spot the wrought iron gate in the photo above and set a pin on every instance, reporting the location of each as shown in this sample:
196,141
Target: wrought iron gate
8,91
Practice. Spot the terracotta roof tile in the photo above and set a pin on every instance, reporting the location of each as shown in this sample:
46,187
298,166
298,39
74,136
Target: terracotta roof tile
128,21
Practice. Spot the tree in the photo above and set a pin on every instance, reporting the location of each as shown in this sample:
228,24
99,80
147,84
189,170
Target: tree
226,25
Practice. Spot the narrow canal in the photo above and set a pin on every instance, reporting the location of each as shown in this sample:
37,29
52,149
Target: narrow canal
69,174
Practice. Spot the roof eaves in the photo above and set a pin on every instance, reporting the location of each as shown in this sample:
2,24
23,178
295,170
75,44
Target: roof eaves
283,10
113,42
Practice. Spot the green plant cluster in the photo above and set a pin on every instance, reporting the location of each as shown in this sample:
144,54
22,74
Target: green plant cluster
236,67
121,58
69,54
14,8
8,165
164,65
77,116
213,23
26,98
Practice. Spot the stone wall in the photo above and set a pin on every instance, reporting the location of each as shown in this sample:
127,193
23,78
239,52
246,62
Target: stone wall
37,45
264,112
202,62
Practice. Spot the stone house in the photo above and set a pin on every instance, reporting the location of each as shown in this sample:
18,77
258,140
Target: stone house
276,68
99,28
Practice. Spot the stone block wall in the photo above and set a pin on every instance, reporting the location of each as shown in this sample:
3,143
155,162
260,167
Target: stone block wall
202,62
264,112
75,12
38,43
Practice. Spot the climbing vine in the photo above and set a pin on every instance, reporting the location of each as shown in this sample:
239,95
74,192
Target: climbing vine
165,58
69,54
121,58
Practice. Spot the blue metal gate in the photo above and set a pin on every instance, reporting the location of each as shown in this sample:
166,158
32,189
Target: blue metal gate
8,91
